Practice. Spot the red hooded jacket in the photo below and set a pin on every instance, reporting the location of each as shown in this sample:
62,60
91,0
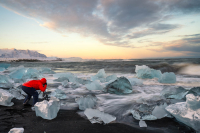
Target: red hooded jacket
37,84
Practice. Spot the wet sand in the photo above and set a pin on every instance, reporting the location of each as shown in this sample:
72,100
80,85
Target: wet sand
71,122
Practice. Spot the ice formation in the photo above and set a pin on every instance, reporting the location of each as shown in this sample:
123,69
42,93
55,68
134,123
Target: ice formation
145,72
58,93
4,65
174,92
96,116
2,69
16,130
65,84
65,76
16,93
101,75
111,78
69,106
142,123
135,81
187,112
85,102
47,109
25,73
5,82
95,85
137,116
46,70
61,79
167,78
120,86
195,91
5,98
160,111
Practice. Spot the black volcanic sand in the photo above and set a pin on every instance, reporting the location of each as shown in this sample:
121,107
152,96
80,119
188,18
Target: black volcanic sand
71,122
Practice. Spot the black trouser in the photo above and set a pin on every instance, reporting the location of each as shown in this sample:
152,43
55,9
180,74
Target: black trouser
30,92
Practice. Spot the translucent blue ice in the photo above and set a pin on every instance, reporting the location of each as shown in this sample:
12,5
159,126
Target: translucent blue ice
2,69
4,65
111,77
5,98
167,78
85,102
101,75
46,70
145,72
58,93
174,92
120,86
5,82
95,85
135,81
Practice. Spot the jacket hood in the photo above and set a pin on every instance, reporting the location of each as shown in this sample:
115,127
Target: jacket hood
43,80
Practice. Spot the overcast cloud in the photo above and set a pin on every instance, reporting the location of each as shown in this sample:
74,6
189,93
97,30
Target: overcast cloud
109,21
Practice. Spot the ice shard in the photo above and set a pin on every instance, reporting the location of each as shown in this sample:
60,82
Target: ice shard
167,78
111,78
46,70
5,82
65,76
187,112
16,130
195,91
137,116
95,85
145,72
142,123
65,83
4,65
47,109
58,93
120,86
96,116
160,111
5,98
16,93
85,102
101,75
135,81
174,92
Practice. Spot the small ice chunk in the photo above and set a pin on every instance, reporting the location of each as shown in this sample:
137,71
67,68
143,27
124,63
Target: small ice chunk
99,76
69,106
58,93
135,81
16,130
4,65
85,102
96,116
66,76
16,93
160,111
95,85
111,77
47,109
174,92
195,91
120,86
5,82
65,83
5,98
145,72
187,112
167,78
46,70
137,116
61,79
142,123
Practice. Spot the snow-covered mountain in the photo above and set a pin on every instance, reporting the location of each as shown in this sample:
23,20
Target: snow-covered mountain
24,54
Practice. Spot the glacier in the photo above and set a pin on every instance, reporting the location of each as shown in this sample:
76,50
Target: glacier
47,109
187,112
96,116
5,98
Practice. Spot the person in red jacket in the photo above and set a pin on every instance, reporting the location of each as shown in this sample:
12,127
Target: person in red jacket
30,88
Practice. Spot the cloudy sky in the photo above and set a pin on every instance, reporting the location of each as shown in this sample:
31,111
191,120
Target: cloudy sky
102,29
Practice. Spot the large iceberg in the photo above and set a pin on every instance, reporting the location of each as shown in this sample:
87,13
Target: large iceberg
47,109
119,86
16,130
95,85
5,82
85,102
167,78
5,98
145,72
187,112
174,92
96,116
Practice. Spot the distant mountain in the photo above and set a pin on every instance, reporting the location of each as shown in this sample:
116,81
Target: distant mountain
24,54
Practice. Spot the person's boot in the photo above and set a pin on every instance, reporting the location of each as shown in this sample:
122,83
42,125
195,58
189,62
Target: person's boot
26,103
